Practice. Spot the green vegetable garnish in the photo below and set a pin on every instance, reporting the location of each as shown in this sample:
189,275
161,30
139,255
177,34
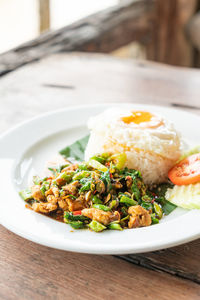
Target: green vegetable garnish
96,200
102,207
26,194
77,224
119,160
114,226
97,165
76,150
158,210
160,191
100,159
192,151
96,226
81,175
68,216
154,220
135,190
127,201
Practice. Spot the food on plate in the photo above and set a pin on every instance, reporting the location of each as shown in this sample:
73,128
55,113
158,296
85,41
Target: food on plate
130,156
150,142
186,177
189,152
187,171
99,194
185,196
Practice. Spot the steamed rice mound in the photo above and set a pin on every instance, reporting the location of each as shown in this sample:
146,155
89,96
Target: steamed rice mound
151,148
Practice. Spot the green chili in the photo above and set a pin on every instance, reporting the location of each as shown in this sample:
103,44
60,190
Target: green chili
65,176
26,194
81,175
96,226
113,204
124,220
158,210
114,226
100,159
102,207
127,201
97,165
119,159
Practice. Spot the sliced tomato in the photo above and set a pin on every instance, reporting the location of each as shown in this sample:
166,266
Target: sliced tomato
76,212
187,171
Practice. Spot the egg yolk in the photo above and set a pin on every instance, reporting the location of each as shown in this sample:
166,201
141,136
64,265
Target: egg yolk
142,119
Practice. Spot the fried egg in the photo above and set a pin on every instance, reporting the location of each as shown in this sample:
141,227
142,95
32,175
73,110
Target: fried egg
151,143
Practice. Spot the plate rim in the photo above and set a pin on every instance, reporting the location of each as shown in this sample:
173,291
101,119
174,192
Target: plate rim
180,240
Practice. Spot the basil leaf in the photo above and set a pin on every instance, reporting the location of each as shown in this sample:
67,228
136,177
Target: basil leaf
76,150
160,191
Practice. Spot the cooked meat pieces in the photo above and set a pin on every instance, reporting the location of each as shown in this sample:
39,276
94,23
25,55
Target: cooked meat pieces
104,217
139,217
36,193
72,187
72,204
44,208
52,199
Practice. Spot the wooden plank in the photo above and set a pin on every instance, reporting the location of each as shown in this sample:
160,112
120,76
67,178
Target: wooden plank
44,14
169,42
72,79
66,79
31,271
193,33
102,32
181,261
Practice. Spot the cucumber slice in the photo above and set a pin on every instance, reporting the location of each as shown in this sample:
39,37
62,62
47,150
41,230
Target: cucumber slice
185,196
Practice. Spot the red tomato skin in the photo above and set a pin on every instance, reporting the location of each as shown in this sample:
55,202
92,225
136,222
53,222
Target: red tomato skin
187,171
77,212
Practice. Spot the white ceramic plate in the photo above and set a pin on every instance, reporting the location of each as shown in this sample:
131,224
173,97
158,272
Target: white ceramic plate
23,153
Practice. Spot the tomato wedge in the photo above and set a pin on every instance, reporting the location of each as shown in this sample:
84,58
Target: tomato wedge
187,171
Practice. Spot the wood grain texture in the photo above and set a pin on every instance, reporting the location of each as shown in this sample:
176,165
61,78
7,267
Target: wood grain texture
31,271
104,31
181,261
72,79
193,30
169,40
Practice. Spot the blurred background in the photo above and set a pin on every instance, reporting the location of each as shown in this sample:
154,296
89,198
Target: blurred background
166,31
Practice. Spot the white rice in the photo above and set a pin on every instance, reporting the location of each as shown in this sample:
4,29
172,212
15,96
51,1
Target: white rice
151,151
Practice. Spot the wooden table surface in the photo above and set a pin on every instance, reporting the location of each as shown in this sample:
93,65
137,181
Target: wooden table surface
31,271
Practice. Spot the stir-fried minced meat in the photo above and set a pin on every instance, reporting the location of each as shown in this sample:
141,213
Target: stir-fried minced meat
100,195
104,217
139,217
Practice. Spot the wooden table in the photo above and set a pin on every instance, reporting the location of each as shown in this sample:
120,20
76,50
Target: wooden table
31,271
